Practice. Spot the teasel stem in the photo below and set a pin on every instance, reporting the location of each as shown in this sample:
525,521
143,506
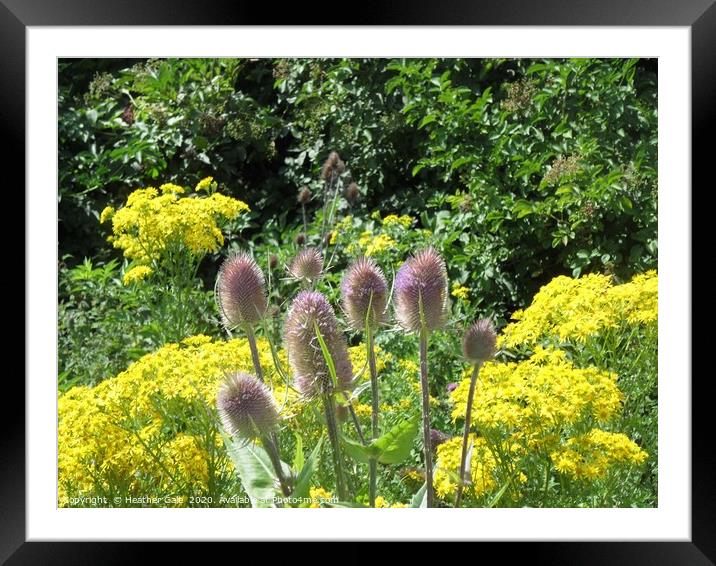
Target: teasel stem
356,422
303,214
430,492
269,442
254,351
466,433
373,463
332,425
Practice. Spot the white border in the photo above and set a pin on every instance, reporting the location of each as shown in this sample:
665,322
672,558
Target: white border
670,521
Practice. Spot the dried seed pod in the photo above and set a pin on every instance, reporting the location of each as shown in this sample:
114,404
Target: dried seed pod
246,406
312,376
241,291
352,193
304,195
364,291
421,290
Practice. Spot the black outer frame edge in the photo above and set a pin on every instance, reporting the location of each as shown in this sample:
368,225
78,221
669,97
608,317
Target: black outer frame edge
700,14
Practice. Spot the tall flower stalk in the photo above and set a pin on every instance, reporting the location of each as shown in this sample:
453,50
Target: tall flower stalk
318,355
364,290
421,291
478,346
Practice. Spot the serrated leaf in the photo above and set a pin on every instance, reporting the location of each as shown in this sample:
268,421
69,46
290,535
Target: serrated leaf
395,445
254,469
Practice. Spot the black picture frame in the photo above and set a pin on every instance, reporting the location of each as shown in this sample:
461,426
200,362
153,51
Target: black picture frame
699,15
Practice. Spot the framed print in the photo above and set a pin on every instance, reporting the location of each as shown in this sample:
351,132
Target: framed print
432,278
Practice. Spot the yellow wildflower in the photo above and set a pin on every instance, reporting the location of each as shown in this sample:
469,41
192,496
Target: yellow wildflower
404,221
135,274
106,214
460,291
482,466
206,184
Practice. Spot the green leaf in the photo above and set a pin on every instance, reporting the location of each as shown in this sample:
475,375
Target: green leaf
394,446
359,452
303,481
498,495
254,469
298,460
326,355
420,499
427,120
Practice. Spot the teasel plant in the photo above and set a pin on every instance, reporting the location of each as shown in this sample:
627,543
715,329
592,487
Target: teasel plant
420,297
331,172
478,347
248,411
364,293
307,267
318,355
241,297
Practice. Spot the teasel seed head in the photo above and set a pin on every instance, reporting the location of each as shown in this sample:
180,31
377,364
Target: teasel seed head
352,193
241,291
273,261
304,195
421,284
333,164
307,265
479,342
364,291
437,437
246,406
300,238
311,373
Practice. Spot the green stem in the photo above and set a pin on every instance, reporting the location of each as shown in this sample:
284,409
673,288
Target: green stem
269,442
254,352
466,433
373,464
332,425
356,422
430,493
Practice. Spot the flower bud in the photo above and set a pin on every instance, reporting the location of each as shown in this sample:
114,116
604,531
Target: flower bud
365,294
311,373
246,406
478,344
241,291
352,193
300,238
421,290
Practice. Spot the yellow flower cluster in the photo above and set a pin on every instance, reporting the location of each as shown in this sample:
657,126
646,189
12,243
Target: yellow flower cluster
319,496
579,308
590,456
538,396
135,274
447,470
138,424
371,244
381,503
460,291
404,221
206,184
154,222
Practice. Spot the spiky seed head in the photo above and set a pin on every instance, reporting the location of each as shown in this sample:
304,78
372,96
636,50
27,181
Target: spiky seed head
273,261
246,406
333,164
311,373
307,265
479,342
241,291
437,437
300,238
421,285
304,195
352,192
364,291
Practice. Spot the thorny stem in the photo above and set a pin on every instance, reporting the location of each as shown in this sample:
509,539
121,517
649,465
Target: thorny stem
331,424
466,433
374,414
427,448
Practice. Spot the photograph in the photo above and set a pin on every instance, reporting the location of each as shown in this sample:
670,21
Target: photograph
341,282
